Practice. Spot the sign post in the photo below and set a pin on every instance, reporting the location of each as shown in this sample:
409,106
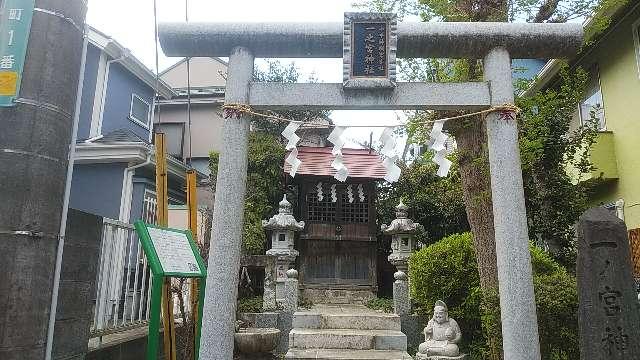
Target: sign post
171,253
15,24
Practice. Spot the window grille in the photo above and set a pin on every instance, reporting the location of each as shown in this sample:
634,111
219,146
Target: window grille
356,211
320,211
343,211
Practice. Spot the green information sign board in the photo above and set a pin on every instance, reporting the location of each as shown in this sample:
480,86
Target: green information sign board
171,253
15,24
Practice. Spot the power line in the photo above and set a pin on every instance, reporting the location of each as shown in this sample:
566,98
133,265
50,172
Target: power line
186,18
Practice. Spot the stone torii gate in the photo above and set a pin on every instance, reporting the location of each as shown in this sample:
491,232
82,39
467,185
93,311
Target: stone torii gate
496,43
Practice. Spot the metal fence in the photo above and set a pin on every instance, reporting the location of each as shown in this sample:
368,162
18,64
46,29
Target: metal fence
123,283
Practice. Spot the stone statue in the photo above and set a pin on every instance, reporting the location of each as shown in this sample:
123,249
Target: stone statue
441,336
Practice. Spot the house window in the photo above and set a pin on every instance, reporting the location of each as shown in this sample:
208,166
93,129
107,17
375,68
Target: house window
140,111
592,104
636,40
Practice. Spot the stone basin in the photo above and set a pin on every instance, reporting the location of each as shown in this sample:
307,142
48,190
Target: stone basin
256,340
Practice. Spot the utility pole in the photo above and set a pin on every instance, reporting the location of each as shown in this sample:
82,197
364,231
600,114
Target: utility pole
35,132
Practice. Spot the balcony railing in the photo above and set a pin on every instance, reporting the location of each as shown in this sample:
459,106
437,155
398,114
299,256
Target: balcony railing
123,281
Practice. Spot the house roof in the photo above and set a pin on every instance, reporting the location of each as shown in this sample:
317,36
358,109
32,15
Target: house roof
116,51
617,13
124,146
360,163
119,135
178,63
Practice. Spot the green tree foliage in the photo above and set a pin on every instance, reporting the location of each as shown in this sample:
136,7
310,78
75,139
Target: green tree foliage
447,271
547,144
547,148
278,73
434,202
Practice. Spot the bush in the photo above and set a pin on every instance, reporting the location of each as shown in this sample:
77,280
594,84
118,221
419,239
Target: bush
447,271
383,304
250,304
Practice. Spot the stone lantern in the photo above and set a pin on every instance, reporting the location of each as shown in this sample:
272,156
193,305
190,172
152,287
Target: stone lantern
403,242
282,227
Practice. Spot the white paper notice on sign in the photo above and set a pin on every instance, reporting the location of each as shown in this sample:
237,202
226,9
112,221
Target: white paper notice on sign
174,251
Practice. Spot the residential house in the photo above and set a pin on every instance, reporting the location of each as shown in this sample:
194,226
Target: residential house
114,175
192,120
196,130
612,59
114,172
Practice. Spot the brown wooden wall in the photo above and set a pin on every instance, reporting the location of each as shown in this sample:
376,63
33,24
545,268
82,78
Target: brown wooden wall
634,242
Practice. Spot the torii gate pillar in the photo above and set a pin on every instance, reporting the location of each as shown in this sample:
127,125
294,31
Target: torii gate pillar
515,279
219,310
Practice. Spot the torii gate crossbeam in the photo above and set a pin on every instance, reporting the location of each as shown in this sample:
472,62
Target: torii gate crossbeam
496,43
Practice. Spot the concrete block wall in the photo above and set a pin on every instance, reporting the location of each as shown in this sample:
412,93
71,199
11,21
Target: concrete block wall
77,292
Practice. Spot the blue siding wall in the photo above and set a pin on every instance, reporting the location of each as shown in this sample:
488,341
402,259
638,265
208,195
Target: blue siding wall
121,85
97,188
88,91
137,199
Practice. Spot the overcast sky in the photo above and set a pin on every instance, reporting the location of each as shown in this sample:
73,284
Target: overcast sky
130,22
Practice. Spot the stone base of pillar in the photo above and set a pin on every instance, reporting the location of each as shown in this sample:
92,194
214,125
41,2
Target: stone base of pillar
436,357
291,292
401,300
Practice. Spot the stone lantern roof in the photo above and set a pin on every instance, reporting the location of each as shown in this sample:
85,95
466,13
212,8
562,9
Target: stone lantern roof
284,219
401,224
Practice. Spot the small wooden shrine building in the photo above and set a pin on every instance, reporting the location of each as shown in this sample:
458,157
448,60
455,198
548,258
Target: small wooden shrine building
338,246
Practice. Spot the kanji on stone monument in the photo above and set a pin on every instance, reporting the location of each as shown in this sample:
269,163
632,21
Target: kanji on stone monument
608,315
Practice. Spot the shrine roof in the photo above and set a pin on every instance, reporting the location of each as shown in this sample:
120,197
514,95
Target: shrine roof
361,163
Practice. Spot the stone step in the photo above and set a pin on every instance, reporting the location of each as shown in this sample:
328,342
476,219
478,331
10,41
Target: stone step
368,321
341,354
347,339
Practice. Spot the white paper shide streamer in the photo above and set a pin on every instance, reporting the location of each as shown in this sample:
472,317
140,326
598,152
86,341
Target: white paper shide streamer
350,194
320,194
361,192
338,162
334,193
437,144
390,157
289,133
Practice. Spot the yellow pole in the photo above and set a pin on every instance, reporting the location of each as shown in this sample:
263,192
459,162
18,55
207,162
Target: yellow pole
192,205
168,323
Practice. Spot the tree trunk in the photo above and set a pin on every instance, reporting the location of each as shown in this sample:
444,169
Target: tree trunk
471,138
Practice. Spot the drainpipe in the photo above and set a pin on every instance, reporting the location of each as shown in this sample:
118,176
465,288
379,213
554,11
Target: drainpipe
105,86
127,190
65,204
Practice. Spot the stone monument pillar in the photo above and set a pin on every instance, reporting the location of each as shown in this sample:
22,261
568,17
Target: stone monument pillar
403,242
283,227
608,314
